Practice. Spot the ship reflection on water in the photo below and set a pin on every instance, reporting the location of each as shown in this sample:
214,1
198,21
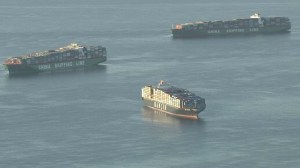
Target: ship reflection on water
164,118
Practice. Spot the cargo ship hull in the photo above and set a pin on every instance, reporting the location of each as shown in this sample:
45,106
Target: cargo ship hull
253,25
22,69
180,33
171,110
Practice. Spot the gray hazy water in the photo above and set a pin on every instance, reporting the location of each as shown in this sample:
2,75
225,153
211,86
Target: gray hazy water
95,118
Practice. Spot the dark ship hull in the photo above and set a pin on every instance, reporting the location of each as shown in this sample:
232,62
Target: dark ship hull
227,32
253,25
178,112
65,58
23,69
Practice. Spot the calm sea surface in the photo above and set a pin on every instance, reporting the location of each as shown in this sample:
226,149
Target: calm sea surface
95,118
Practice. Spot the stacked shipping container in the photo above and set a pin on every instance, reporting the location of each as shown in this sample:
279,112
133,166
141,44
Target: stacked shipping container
152,93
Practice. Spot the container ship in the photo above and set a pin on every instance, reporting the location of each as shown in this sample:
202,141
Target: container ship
252,25
68,57
173,100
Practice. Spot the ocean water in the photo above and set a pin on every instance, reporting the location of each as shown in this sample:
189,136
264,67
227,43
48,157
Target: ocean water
95,118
